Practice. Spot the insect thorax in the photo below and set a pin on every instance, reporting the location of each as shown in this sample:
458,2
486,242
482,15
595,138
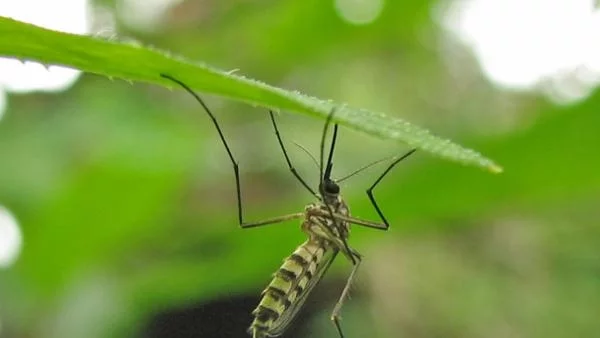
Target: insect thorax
319,225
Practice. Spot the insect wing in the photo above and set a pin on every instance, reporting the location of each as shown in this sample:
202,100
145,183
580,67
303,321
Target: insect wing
290,313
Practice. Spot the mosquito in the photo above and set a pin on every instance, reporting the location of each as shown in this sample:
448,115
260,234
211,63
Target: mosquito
326,222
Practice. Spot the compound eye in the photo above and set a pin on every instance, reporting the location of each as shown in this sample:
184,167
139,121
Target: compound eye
331,187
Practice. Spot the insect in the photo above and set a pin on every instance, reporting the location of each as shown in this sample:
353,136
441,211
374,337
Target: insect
326,222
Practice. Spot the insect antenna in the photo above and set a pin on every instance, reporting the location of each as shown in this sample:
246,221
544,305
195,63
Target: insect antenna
359,170
307,153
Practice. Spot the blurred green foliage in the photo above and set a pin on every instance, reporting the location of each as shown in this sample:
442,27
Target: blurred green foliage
127,201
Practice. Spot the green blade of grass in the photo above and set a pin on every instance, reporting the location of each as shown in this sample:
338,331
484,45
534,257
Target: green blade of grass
134,62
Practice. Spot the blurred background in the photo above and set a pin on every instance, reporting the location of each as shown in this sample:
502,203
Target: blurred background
118,215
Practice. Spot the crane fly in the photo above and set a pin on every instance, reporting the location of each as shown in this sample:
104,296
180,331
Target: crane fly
326,222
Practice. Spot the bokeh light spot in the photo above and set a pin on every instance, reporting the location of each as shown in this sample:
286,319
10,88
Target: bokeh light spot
10,238
67,16
359,12
531,45
144,15
2,103
28,76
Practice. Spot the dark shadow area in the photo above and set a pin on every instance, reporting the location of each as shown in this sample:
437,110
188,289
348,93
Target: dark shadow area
222,318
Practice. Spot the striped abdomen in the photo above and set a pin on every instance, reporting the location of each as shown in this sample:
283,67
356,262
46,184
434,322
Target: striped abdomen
289,288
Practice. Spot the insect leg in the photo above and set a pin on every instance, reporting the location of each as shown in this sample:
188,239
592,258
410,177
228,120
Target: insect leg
335,314
327,174
354,220
273,220
233,162
321,157
287,159
370,190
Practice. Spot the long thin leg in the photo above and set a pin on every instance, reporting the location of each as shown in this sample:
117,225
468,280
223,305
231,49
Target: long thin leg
354,220
274,220
233,162
370,190
331,150
323,136
335,314
287,159
324,176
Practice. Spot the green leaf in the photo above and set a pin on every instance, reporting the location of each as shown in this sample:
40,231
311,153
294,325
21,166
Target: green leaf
134,62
